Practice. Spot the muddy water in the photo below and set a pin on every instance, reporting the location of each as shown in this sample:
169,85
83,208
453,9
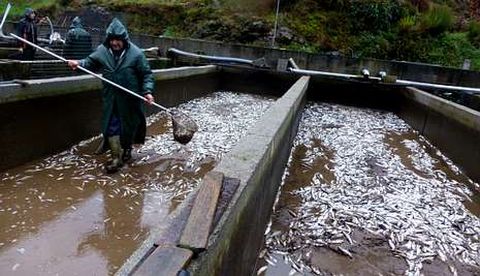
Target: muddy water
364,194
63,215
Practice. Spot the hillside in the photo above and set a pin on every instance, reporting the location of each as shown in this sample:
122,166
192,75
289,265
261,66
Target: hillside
443,32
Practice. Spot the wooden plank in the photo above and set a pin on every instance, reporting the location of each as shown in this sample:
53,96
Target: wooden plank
165,261
199,224
176,223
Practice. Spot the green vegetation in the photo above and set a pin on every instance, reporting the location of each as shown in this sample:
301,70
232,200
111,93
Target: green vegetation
432,31
437,20
18,7
452,48
474,33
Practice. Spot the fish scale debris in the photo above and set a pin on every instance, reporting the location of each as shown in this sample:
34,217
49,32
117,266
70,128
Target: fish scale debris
409,202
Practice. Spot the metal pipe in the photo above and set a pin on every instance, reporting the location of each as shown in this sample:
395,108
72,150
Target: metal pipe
151,49
7,10
293,63
91,73
276,24
214,58
439,86
405,82
324,73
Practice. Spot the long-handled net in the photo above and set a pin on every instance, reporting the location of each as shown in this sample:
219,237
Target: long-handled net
183,126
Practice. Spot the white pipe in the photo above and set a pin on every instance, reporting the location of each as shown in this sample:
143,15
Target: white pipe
324,73
406,82
293,63
7,10
228,59
440,86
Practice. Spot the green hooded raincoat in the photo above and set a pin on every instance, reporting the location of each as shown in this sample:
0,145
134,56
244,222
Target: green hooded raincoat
78,42
130,71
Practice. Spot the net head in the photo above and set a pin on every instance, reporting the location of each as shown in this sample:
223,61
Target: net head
183,127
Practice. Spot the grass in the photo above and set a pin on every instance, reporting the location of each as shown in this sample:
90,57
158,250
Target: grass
18,7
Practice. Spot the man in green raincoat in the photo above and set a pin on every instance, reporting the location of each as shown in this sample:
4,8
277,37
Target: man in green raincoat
123,121
78,42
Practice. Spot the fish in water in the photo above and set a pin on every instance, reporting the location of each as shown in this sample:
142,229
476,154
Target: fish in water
384,179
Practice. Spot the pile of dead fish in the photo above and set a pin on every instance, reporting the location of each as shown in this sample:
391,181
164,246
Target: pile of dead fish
222,117
416,208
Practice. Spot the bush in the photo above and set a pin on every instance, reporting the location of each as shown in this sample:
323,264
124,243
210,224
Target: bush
411,46
373,46
407,24
438,19
311,26
169,32
421,5
374,15
65,2
474,33
336,4
452,49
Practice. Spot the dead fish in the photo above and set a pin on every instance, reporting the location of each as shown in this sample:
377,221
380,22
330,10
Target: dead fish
262,269
269,261
345,252
411,208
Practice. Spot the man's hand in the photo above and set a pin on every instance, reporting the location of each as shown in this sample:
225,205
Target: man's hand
73,64
149,98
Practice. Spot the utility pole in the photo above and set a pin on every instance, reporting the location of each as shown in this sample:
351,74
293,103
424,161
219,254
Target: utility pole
276,24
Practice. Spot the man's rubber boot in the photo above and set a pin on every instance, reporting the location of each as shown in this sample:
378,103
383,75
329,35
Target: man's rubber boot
116,163
101,148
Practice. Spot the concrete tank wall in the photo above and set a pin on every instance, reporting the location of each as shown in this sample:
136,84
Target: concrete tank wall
318,61
257,161
452,128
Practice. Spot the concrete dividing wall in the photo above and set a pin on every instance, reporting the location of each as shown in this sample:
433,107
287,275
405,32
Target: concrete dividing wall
453,128
258,161
333,63
47,116
257,81
32,89
353,92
